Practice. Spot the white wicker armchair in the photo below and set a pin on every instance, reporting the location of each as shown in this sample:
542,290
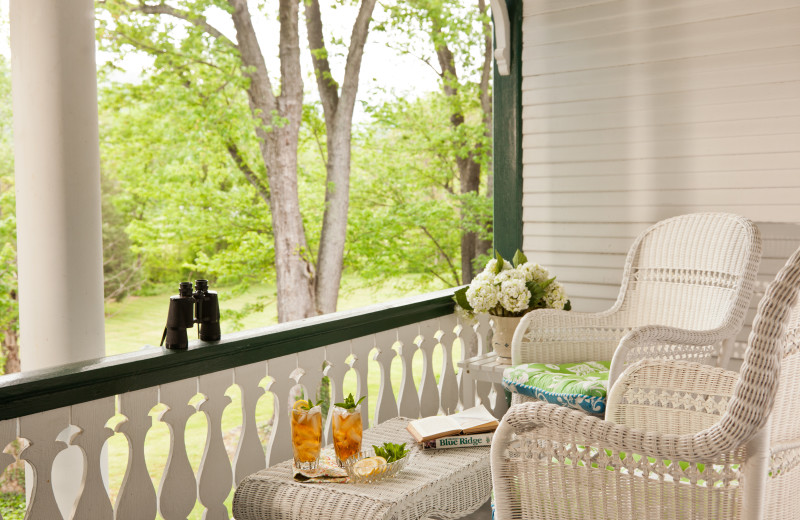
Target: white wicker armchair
681,439
690,277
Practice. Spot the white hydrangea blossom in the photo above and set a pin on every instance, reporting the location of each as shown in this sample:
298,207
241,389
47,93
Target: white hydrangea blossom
534,272
482,294
490,267
555,297
514,296
510,274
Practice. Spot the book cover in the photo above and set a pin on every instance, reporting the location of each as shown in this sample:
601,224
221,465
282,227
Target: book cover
473,420
459,441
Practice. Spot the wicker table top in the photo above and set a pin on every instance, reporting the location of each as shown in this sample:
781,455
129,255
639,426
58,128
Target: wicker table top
448,483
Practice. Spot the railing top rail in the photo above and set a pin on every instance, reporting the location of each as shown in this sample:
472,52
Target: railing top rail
31,392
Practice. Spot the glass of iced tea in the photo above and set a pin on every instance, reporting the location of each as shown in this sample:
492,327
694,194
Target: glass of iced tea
306,434
347,429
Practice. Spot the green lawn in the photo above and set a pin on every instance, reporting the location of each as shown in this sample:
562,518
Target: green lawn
139,321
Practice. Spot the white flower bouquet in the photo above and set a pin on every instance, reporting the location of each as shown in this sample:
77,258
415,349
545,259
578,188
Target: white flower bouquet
503,289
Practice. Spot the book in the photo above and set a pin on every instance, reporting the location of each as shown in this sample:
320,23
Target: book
459,441
473,420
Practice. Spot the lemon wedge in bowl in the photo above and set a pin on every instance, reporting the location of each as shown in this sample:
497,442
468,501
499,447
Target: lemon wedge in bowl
369,466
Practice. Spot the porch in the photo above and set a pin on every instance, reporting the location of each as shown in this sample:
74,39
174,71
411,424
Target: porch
609,120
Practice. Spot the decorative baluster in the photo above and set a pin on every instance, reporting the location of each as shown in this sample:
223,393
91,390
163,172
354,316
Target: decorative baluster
482,330
41,430
387,404
177,492
336,356
448,385
469,347
311,362
8,433
429,392
137,498
279,447
215,477
409,398
361,348
91,417
249,453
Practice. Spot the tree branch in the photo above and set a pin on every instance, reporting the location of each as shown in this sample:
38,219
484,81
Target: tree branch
328,88
249,174
358,39
444,254
262,98
199,21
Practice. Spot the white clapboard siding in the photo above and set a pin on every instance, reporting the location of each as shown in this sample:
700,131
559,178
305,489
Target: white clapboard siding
634,112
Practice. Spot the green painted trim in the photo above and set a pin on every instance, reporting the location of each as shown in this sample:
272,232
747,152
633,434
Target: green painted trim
507,147
37,391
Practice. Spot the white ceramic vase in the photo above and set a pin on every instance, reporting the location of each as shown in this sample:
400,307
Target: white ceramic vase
503,328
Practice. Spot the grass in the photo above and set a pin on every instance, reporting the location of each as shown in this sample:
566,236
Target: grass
139,321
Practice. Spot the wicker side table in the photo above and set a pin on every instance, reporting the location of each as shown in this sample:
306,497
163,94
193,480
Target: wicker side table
448,483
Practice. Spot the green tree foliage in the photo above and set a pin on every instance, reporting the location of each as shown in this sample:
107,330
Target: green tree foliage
454,39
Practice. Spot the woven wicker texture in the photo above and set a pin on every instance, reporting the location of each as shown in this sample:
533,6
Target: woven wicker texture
686,286
448,483
682,439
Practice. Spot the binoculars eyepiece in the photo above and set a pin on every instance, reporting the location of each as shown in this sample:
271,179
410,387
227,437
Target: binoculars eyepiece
188,308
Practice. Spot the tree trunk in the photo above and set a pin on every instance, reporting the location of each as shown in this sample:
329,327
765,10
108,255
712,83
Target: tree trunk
338,112
278,129
11,351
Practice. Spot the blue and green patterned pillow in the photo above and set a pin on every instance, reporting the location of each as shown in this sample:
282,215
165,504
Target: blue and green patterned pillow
582,386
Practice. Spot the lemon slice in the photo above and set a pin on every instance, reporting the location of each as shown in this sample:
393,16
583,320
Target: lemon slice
369,466
300,404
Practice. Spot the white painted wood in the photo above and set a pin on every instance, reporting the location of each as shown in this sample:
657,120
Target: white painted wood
214,477
91,417
634,112
448,384
279,447
177,492
249,456
502,33
8,433
41,430
429,391
409,401
312,364
336,355
386,407
361,348
137,498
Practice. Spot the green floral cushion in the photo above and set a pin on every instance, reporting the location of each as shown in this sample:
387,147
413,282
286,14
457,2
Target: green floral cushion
582,386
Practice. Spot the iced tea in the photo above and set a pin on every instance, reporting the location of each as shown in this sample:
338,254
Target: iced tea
347,430
306,436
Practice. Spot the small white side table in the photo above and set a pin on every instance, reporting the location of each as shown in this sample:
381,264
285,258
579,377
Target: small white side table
482,374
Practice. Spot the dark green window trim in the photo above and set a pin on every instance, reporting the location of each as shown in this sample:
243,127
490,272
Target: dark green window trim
507,151
37,391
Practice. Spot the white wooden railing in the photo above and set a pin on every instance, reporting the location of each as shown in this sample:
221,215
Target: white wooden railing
419,394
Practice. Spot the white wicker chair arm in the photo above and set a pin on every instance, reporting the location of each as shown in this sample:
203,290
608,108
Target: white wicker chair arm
713,443
663,342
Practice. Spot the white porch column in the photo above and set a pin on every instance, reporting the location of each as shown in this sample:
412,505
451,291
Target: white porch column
56,153
57,163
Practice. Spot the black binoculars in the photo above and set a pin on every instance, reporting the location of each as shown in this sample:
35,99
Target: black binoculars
188,308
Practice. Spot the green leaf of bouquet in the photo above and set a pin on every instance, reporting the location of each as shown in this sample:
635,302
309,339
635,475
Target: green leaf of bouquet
568,306
519,258
500,263
544,284
460,297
